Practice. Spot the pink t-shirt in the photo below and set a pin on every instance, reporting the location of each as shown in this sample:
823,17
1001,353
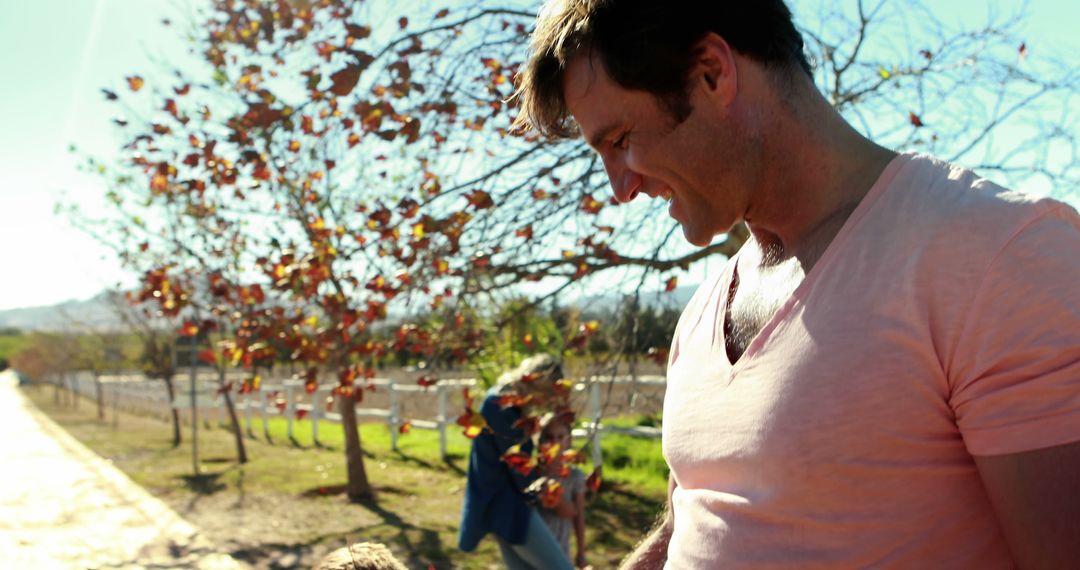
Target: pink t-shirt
942,322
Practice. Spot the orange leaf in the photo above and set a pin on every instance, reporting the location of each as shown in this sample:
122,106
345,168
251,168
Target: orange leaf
405,427
915,120
411,130
358,32
517,460
551,495
345,80
135,82
591,205
594,480
159,183
671,284
189,329
480,200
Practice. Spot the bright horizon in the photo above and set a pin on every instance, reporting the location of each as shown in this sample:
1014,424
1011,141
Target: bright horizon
54,69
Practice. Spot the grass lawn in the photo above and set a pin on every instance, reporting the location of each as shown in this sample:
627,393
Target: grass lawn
286,505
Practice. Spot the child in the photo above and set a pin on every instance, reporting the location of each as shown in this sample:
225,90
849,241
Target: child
362,556
555,430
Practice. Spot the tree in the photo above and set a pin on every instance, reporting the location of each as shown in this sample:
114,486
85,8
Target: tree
354,162
156,359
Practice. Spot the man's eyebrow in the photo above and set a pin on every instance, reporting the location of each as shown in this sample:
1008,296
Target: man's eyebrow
599,136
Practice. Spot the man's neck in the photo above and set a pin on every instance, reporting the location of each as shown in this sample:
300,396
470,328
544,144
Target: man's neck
819,171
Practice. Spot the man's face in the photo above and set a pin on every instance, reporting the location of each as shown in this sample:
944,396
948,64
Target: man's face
645,151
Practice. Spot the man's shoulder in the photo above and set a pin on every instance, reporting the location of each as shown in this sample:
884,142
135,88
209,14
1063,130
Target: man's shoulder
950,208
941,191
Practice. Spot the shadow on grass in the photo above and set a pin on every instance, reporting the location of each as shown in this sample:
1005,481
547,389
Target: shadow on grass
203,483
451,462
423,552
332,490
616,509
448,464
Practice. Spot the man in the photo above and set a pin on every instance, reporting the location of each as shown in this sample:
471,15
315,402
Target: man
888,373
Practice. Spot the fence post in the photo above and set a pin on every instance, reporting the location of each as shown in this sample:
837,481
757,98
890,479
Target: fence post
594,403
442,421
247,412
114,392
314,415
264,396
393,419
290,408
163,396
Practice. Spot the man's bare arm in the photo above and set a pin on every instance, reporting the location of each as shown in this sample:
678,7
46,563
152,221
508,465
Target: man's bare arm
1036,495
651,552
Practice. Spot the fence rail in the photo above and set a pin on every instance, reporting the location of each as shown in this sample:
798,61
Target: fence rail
291,400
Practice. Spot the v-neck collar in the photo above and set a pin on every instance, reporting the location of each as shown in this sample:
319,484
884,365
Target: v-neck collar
883,182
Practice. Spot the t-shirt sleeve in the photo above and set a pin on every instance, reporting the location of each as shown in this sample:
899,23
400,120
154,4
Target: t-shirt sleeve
1016,383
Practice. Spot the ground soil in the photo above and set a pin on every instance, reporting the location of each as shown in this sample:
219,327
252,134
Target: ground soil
287,508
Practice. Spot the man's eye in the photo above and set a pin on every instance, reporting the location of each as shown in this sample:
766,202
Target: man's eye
620,143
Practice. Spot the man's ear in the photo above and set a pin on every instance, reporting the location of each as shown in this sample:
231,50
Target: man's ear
714,66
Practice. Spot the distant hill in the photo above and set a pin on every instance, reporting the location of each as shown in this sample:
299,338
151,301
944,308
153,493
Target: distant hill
96,312
676,299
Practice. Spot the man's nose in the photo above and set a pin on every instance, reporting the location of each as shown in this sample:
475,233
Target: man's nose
625,183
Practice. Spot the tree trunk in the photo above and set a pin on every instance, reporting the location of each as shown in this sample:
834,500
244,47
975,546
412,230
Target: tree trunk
176,437
357,487
73,388
99,393
234,422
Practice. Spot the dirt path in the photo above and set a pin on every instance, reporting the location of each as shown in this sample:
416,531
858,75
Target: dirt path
62,506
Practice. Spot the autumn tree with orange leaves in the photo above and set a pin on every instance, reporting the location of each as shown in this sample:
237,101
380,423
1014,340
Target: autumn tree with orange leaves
339,165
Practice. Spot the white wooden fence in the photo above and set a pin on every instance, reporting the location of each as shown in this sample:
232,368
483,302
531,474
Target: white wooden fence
290,400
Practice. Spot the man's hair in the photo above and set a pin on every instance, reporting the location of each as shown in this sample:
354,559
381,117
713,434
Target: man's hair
362,556
646,45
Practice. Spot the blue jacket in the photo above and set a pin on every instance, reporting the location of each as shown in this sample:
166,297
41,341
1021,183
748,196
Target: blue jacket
494,494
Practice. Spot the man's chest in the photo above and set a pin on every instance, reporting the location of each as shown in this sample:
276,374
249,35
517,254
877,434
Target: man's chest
822,383
755,296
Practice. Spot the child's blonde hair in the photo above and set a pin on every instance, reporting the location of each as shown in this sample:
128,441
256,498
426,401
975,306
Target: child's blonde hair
535,374
361,556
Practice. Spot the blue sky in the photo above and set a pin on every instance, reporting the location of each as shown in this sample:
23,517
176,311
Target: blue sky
58,54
